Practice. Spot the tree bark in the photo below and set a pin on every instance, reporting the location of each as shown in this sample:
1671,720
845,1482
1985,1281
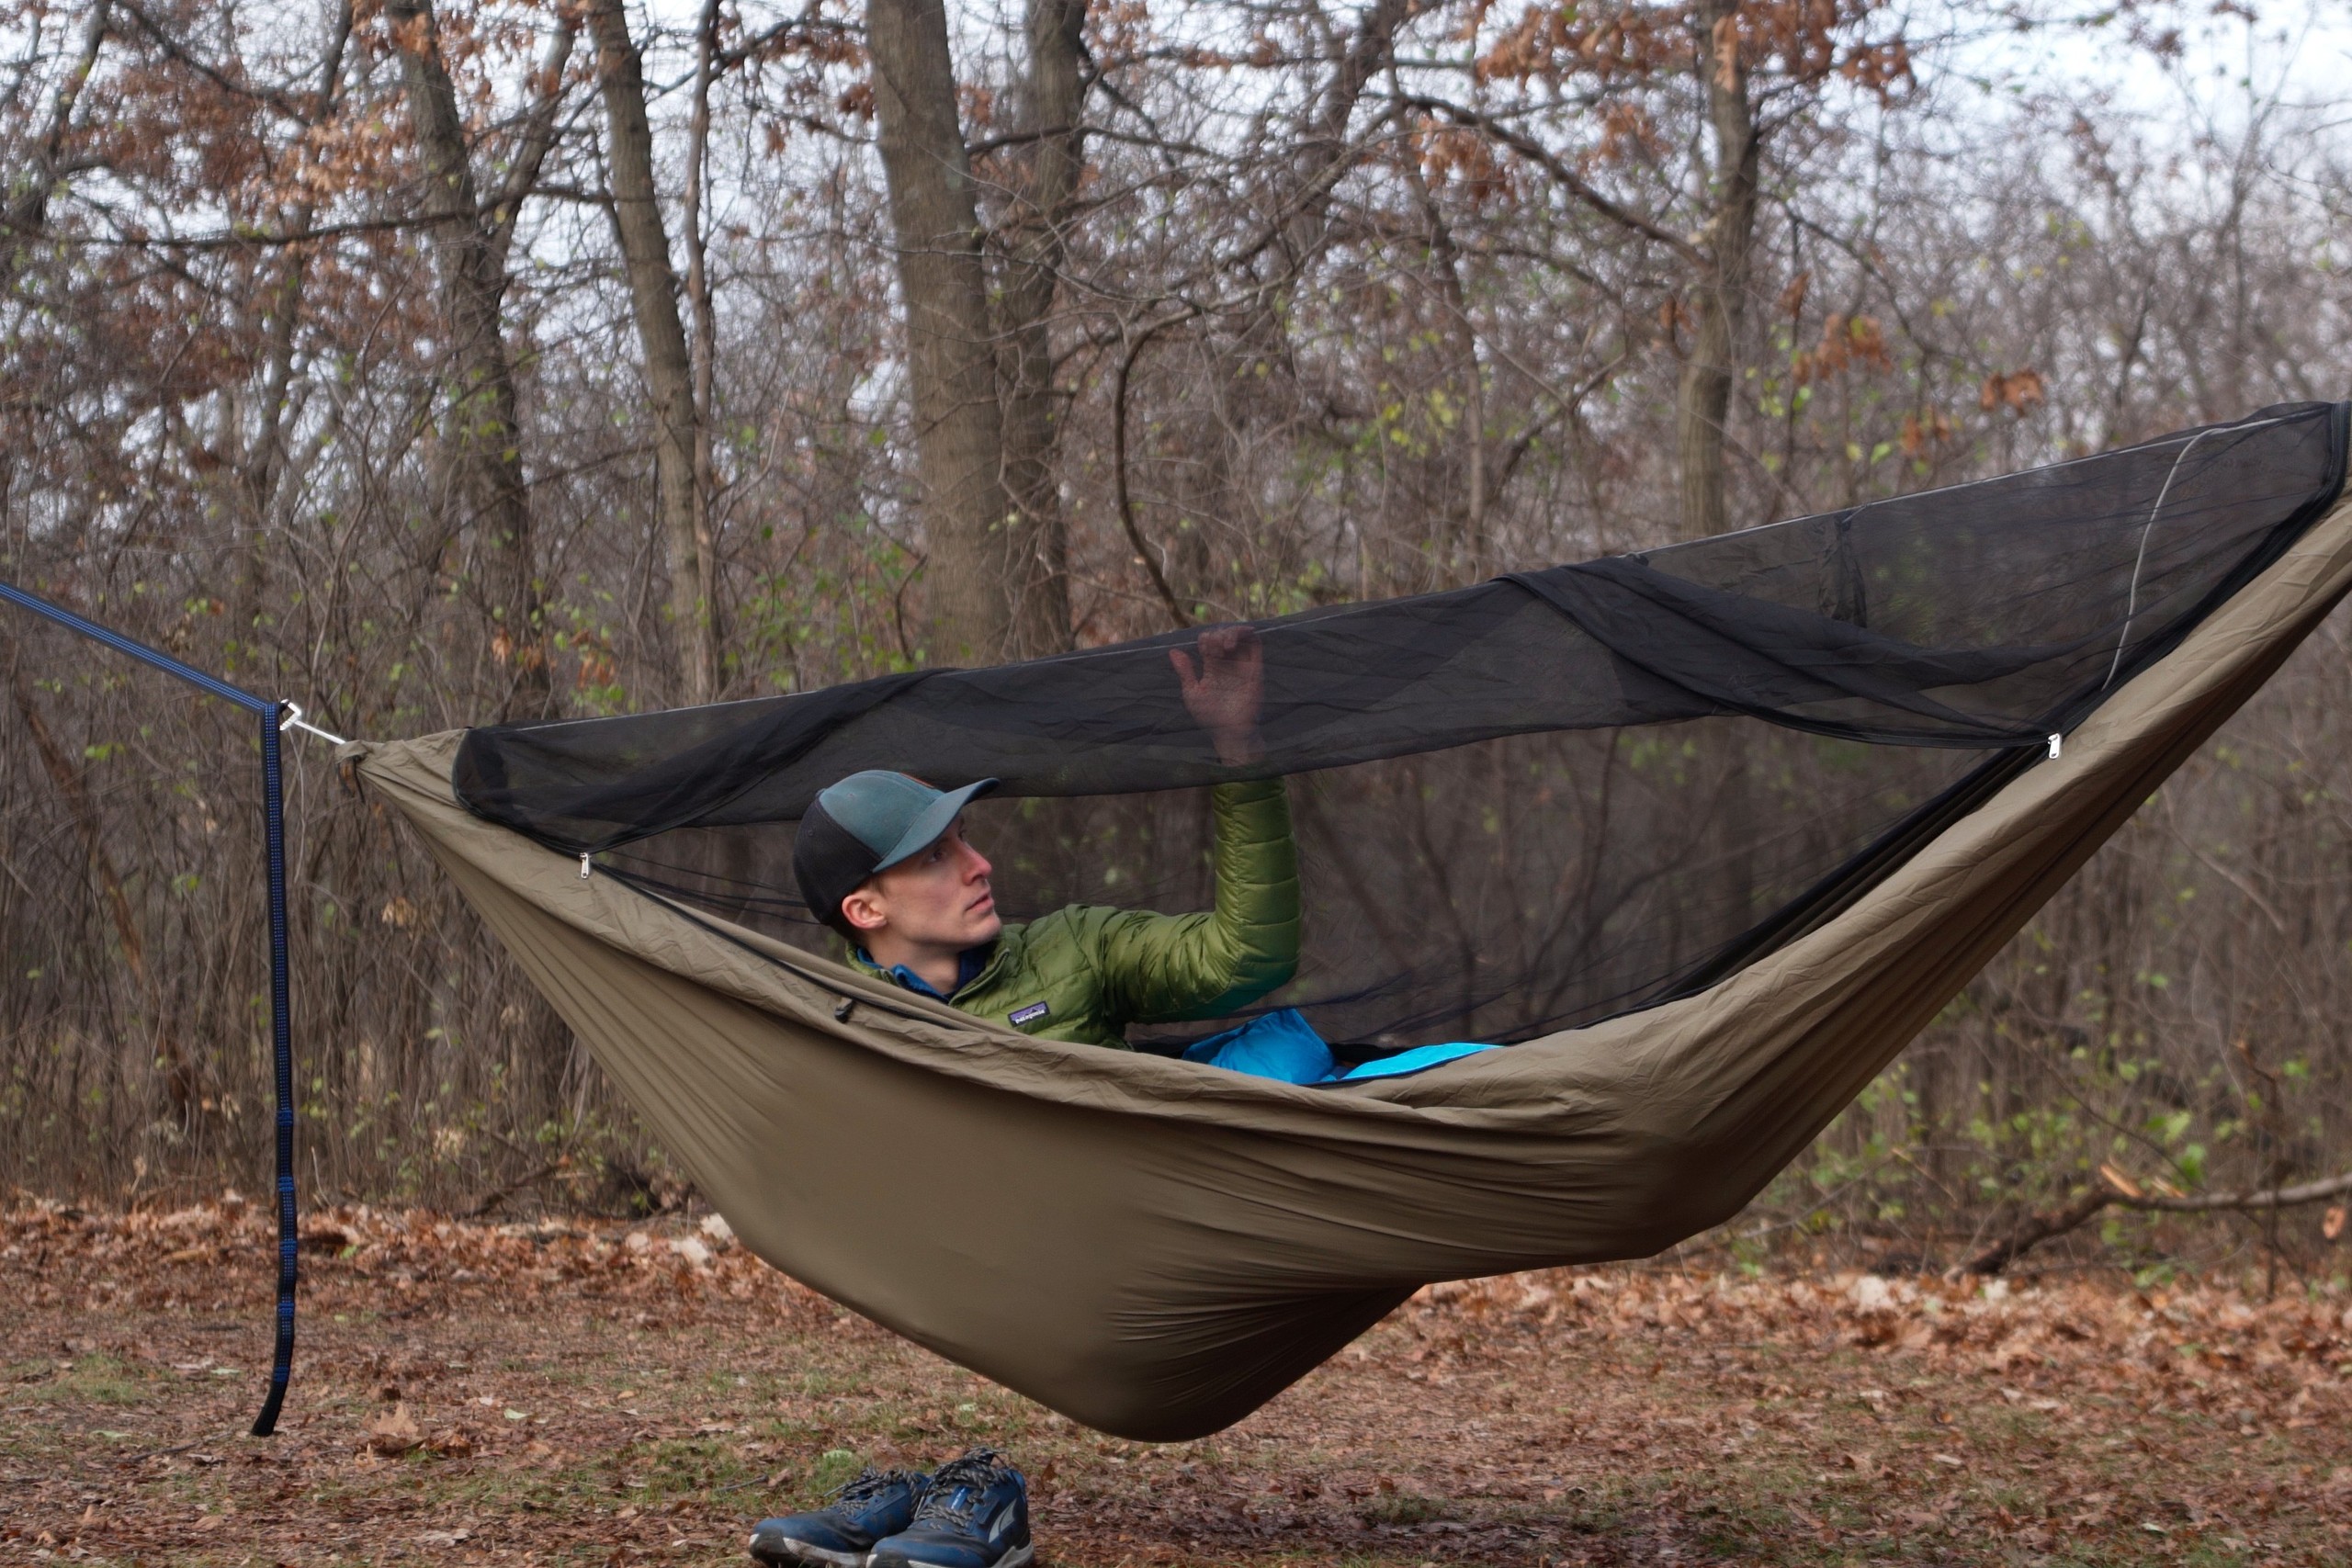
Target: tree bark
661,338
28,207
1324,155
980,550
1703,400
705,320
1052,106
2103,1194
2037,1228
479,429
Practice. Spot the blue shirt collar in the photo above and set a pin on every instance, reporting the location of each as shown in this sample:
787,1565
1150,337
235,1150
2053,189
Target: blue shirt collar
969,964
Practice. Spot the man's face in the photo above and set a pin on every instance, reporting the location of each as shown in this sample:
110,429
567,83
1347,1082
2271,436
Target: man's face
939,896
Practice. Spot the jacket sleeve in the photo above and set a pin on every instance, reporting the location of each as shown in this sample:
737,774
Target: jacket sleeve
1163,968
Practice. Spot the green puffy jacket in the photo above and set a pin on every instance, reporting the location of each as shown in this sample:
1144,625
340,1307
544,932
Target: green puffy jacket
1084,973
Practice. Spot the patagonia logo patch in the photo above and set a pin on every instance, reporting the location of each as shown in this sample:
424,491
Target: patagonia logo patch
1022,1017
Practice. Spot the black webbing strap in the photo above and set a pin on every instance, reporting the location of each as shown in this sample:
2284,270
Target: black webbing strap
281,1027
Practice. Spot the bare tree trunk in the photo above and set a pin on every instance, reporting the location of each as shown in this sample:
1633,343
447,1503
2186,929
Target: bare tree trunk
1325,156
1051,111
480,431
705,319
979,552
669,371
28,207
1703,400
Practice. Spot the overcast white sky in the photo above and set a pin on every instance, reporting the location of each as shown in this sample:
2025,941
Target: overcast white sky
2299,50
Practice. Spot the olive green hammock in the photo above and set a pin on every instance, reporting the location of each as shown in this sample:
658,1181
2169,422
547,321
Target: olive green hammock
1156,1248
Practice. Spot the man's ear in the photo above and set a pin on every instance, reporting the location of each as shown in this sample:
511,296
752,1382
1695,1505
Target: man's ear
865,908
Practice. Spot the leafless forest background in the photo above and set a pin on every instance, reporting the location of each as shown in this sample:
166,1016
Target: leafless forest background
434,363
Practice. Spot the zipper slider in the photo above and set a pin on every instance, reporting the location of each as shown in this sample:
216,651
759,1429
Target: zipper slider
2056,741
583,859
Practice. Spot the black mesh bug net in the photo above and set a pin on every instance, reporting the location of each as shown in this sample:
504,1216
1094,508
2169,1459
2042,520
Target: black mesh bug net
1522,806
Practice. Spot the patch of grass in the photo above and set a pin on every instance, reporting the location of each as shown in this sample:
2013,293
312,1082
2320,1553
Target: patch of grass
106,1380
546,1491
674,1468
1753,1534
1402,1507
784,1429
834,1469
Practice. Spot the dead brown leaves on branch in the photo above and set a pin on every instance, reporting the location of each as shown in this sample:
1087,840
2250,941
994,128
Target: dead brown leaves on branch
1804,41
1923,431
2017,391
1846,343
1462,159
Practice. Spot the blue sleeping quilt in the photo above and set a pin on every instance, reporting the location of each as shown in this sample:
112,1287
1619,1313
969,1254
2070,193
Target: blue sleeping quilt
1283,1044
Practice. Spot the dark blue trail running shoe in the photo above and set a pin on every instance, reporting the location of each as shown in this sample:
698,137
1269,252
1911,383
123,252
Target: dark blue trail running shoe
842,1534
975,1515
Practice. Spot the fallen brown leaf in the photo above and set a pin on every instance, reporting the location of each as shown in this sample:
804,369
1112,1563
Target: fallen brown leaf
396,1433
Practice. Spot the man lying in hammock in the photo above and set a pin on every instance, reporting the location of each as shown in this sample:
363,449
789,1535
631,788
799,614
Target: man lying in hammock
883,860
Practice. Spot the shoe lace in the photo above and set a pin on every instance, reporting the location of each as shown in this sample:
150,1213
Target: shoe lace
868,1483
957,1486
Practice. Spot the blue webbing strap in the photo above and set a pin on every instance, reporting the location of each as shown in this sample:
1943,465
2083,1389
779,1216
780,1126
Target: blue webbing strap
139,651
281,1025
281,1030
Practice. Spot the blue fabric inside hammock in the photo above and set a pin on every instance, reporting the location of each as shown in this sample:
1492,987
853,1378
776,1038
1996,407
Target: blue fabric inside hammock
1283,1044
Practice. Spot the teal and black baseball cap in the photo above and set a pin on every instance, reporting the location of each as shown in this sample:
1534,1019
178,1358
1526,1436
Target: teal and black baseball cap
868,823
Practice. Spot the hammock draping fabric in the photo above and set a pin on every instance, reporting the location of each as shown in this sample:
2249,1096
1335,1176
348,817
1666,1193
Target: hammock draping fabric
1155,1247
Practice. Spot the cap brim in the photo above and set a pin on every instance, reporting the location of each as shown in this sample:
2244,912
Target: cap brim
936,818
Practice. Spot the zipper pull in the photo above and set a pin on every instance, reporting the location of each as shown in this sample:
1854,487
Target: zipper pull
2056,741
583,859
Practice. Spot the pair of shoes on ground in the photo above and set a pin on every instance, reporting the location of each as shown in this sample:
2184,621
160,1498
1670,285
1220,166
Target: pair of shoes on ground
971,1513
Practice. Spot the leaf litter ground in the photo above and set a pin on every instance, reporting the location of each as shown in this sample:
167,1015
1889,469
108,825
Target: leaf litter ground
586,1394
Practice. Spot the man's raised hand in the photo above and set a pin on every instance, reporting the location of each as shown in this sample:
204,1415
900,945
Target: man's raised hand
1225,692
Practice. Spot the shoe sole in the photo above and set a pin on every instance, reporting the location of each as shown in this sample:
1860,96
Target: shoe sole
786,1553
1019,1557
